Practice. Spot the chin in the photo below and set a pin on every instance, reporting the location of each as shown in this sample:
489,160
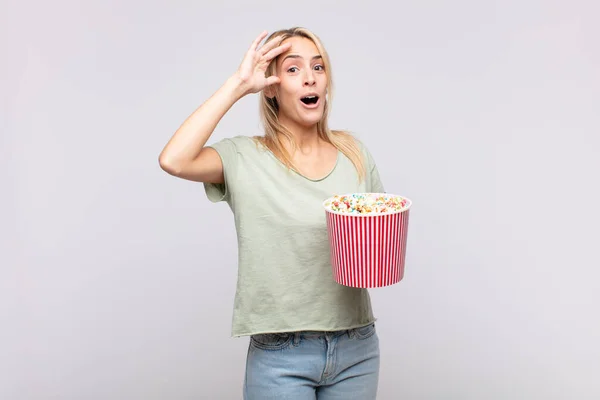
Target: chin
311,120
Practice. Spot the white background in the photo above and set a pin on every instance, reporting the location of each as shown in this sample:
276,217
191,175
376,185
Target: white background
117,280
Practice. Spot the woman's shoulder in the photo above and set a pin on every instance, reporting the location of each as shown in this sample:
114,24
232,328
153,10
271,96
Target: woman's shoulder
240,143
353,140
238,140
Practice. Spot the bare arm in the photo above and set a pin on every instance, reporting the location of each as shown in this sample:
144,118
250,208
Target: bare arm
185,154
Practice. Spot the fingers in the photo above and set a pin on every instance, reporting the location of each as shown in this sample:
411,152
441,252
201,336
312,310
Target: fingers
272,80
269,45
257,41
277,51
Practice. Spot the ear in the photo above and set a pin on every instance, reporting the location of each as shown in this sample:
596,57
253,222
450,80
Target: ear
269,91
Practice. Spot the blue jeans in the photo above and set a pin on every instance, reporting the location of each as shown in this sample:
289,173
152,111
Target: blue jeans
341,365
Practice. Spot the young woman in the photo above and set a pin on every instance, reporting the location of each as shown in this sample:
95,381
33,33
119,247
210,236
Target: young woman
310,338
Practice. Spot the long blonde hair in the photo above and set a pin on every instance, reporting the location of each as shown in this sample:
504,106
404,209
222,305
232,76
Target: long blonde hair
269,109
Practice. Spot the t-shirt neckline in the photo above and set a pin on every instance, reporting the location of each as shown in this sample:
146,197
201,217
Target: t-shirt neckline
337,160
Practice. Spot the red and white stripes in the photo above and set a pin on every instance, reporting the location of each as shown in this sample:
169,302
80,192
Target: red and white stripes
368,251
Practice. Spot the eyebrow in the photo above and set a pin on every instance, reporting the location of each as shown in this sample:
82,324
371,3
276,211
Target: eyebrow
298,56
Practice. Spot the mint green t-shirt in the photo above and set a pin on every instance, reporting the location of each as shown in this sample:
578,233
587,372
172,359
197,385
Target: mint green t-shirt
285,281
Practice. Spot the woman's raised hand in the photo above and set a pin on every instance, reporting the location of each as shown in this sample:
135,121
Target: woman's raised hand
251,71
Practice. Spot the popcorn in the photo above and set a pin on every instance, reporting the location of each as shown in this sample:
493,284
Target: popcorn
366,203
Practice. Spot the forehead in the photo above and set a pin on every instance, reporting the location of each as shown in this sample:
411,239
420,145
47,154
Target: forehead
301,46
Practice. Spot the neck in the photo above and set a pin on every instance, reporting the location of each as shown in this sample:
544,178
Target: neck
305,138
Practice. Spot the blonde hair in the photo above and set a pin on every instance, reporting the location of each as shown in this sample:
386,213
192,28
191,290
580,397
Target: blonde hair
269,109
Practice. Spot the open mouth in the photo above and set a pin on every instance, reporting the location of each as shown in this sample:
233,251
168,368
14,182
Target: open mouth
308,100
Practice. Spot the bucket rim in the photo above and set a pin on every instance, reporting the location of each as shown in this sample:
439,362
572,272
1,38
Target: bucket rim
406,208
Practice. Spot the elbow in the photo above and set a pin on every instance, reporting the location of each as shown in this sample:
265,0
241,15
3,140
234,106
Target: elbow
168,165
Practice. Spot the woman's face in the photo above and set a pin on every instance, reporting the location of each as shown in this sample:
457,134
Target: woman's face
301,92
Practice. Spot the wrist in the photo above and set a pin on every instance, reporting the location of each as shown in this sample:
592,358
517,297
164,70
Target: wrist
236,86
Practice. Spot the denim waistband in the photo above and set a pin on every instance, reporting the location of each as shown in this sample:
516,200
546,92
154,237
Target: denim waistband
319,334
329,334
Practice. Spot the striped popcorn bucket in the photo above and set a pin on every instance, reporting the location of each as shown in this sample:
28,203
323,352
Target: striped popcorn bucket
368,250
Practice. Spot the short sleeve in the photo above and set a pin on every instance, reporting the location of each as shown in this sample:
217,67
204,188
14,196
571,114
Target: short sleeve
374,184
227,150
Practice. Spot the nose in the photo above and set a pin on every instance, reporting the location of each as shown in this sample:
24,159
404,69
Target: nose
309,78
